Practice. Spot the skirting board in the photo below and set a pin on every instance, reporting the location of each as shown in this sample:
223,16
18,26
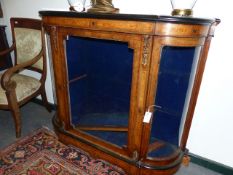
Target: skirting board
204,162
211,165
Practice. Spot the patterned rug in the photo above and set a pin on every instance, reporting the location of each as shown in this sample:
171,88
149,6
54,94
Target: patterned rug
42,154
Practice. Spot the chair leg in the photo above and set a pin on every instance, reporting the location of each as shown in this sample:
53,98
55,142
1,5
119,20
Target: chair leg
44,100
16,115
14,108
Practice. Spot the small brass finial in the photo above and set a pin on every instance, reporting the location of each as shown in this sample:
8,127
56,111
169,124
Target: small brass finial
182,12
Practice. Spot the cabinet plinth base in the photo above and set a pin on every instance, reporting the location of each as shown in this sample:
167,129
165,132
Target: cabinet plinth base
130,167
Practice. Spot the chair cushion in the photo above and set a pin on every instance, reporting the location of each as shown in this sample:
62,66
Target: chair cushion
25,87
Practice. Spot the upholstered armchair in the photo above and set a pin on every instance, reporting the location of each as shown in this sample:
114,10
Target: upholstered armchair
29,54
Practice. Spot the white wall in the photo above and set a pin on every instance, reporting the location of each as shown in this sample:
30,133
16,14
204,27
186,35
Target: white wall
212,129
211,132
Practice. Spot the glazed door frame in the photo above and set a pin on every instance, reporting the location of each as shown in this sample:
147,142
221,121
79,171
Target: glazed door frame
158,43
141,45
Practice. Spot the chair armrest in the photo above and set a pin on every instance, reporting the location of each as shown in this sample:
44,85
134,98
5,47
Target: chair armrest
6,82
6,51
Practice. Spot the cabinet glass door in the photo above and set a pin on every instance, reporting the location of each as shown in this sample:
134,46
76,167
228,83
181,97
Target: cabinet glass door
175,82
100,73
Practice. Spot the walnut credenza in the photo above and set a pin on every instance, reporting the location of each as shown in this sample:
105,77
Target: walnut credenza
127,85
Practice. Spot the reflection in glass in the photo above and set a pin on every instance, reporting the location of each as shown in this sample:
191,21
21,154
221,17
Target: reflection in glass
100,73
175,81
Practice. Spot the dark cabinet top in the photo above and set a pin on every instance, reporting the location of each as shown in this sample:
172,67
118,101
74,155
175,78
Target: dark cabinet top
133,17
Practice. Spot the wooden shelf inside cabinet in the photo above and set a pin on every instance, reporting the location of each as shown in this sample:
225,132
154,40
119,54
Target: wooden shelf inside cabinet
112,68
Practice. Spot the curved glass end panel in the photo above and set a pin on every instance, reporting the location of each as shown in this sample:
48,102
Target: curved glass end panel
175,82
100,73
